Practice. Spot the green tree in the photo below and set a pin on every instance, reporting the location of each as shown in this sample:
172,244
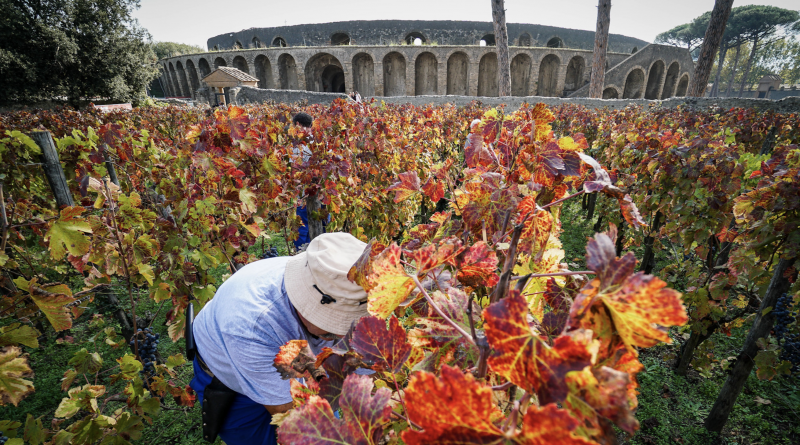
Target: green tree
686,35
73,48
163,50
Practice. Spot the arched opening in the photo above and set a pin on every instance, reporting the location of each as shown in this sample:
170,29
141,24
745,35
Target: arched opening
215,48
394,74
654,80
610,93
194,82
182,79
173,85
520,75
413,36
671,79
548,76
324,73
633,84
426,70
364,74
256,43
634,49
340,38
487,76
683,85
489,39
238,45
204,68
219,61
263,72
574,78
168,81
241,64
525,39
279,42
555,42
287,72
458,74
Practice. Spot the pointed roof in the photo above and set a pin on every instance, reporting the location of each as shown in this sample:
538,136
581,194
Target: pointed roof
229,77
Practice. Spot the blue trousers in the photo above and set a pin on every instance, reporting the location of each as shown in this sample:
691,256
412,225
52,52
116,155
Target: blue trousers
247,423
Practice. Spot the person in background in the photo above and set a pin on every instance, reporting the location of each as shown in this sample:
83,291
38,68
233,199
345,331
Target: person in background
306,121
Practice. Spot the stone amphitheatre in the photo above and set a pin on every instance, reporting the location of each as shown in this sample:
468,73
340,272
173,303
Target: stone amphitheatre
421,58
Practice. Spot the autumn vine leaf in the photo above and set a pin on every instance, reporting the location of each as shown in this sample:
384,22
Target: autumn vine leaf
295,360
67,234
363,417
51,300
636,307
14,371
386,347
388,284
523,358
451,407
407,186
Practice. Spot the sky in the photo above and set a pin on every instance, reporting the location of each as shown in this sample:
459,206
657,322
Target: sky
194,21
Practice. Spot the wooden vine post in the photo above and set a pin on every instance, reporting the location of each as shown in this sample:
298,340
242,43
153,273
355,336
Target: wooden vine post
762,325
52,168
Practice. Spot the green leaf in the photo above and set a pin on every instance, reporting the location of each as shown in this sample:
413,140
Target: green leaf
248,199
18,441
86,363
34,430
67,234
127,427
16,333
151,406
22,137
175,360
90,430
129,366
146,271
13,387
62,438
67,408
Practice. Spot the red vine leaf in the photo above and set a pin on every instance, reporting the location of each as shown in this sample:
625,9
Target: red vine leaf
387,348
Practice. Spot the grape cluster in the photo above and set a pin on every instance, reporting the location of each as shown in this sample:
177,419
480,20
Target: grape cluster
785,315
3,438
147,343
272,253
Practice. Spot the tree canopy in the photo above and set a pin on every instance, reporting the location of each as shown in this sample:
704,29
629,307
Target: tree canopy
73,49
170,49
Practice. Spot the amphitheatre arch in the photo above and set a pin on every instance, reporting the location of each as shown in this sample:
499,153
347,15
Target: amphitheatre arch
394,74
654,80
363,74
279,42
670,80
256,43
610,93
324,73
413,35
183,80
202,64
263,71
524,39
520,74
487,76
287,72
548,76
240,64
458,74
683,85
555,42
173,85
340,38
219,61
238,45
194,82
574,76
634,84
489,40
426,74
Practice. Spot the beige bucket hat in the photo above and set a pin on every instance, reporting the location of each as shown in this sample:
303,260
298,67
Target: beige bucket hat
317,285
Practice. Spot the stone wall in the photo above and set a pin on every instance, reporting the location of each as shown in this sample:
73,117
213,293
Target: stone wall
654,72
415,70
396,32
246,95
